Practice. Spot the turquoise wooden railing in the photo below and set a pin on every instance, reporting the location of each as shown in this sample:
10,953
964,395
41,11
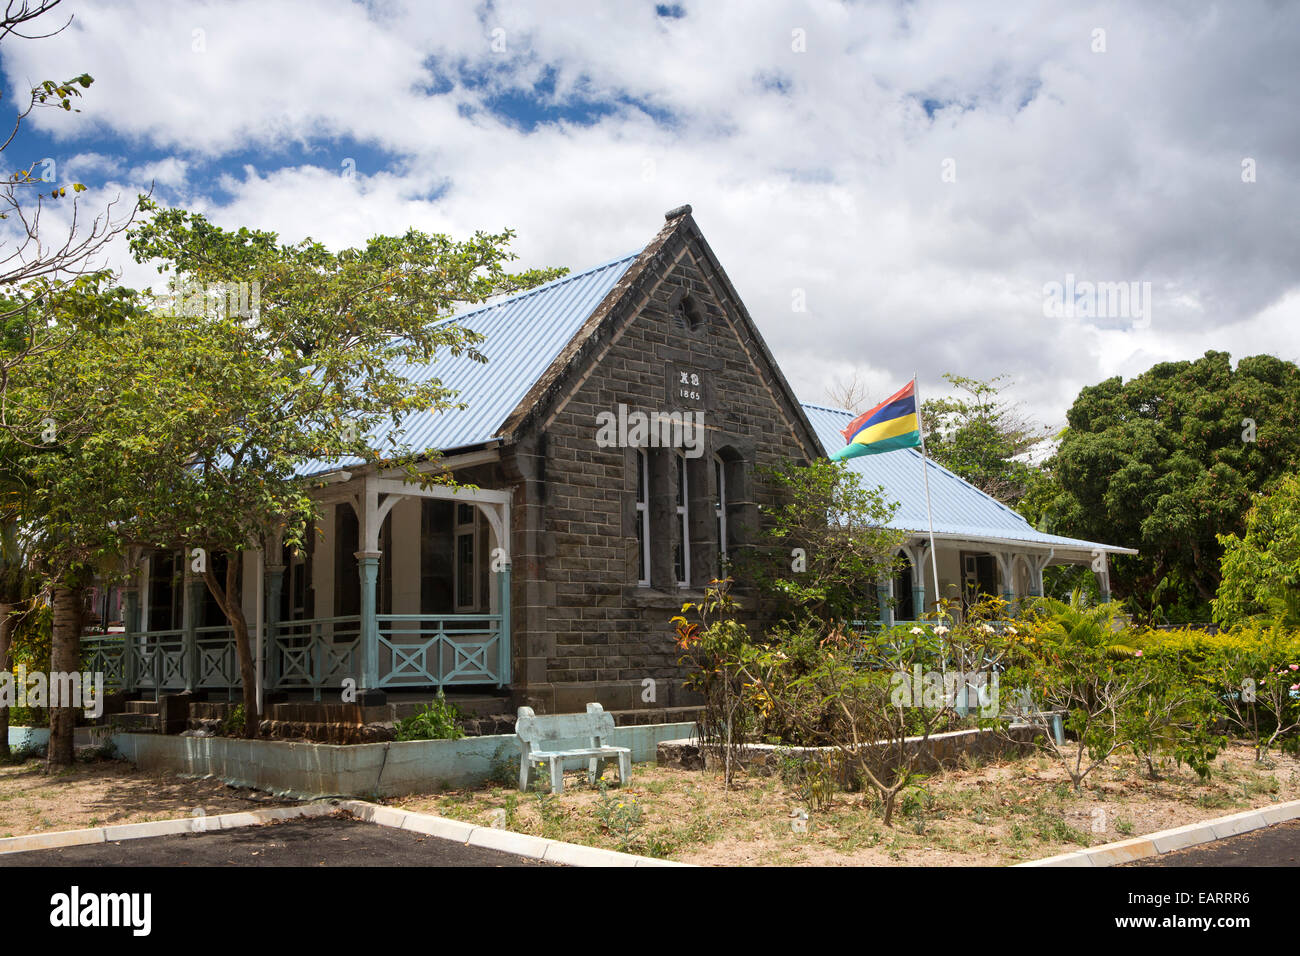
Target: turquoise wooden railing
413,651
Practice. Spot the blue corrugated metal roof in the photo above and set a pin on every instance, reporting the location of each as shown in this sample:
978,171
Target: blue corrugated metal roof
959,507
523,334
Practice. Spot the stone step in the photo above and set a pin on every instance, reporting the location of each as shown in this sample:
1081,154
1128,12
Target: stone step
142,707
132,723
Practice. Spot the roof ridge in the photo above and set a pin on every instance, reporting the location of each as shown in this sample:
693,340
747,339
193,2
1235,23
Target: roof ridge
537,290
826,408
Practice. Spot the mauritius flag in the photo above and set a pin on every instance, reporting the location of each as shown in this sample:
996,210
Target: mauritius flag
890,425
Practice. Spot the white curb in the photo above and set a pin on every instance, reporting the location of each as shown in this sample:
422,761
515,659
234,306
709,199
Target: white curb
157,828
506,841
1178,838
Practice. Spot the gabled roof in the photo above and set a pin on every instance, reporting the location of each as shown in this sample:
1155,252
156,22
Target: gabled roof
523,335
960,509
534,339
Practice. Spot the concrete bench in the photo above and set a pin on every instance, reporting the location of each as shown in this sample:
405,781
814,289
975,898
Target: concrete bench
552,739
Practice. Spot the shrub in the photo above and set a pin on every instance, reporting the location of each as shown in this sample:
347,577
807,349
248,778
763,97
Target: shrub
438,721
233,726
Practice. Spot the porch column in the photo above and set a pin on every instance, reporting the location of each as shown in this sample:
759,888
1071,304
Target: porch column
1037,562
191,601
883,594
368,567
131,626
1007,567
1102,570
503,640
274,586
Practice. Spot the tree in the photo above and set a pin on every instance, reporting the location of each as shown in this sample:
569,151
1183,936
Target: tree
41,263
830,542
14,582
49,412
982,437
1261,568
1067,662
1170,460
199,414
848,393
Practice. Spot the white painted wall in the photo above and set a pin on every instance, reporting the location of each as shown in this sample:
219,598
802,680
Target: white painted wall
322,563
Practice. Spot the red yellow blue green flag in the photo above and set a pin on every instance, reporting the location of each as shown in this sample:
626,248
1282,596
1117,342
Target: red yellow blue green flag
891,425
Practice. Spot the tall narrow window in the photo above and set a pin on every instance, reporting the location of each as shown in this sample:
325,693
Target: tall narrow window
720,514
642,519
682,535
904,606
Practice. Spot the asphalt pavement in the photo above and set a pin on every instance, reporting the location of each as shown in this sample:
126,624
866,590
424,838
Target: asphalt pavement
1278,845
320,841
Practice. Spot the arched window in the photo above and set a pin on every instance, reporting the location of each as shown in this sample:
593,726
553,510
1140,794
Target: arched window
642,519
720,512
904,606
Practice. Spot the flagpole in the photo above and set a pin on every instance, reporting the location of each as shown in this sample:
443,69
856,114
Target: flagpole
925,473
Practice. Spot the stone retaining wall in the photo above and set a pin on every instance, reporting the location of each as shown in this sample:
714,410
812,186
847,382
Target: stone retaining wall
940,751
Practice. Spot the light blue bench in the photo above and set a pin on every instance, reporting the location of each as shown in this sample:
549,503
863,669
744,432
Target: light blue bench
554,738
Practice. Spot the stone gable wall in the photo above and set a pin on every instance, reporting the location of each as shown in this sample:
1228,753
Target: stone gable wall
587,631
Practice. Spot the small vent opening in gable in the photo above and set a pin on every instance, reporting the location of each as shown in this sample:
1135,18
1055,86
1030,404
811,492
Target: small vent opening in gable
687,314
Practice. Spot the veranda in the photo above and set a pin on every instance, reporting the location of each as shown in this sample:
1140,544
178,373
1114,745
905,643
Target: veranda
400,587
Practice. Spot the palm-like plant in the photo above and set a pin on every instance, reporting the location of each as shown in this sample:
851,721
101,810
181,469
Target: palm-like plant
1078,624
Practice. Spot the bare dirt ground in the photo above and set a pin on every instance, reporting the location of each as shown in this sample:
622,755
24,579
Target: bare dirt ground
108,791
993,814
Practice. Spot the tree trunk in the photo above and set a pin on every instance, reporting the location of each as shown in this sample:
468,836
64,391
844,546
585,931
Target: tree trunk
6,637
65,657
229,598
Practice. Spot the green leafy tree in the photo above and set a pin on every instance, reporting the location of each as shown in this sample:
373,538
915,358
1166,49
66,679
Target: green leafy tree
15,584
29,249
1261,568
1170,460
829,542
1067,661
982,437
48,413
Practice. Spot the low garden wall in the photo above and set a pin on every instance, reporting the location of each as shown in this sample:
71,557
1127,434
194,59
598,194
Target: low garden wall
23,737
304,769
939,751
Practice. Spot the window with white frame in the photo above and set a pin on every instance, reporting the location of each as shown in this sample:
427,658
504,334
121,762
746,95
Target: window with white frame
720,513
642,519
681,529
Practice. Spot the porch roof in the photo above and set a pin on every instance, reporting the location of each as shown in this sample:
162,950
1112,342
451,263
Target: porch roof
961,510
523,335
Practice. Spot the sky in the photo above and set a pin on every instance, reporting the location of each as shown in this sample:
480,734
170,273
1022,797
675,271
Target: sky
893,188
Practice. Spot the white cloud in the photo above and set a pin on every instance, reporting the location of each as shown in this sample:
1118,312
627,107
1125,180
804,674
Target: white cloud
1115,166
